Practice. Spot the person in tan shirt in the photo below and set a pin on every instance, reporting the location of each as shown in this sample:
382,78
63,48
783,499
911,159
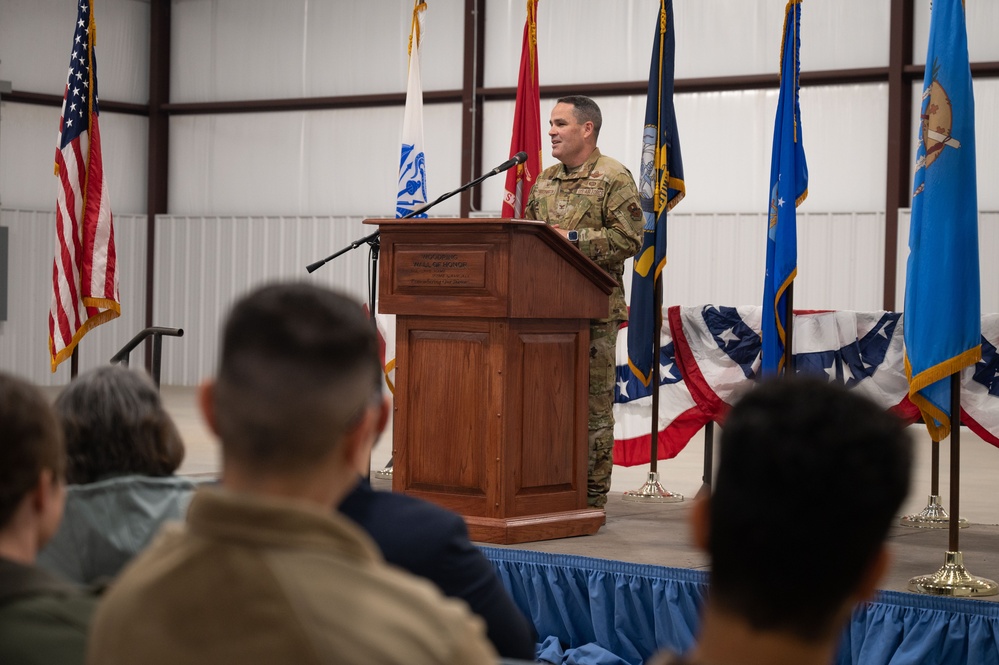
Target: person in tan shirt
264,570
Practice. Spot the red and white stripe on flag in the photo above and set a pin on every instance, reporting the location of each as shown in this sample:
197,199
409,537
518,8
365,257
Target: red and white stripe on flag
85,270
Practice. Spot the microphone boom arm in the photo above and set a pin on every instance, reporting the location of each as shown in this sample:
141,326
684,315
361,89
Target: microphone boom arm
519,158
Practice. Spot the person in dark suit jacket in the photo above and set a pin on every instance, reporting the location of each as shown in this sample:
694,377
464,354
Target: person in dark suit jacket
432,542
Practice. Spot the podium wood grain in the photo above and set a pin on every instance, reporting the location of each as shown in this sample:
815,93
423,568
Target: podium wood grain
492,359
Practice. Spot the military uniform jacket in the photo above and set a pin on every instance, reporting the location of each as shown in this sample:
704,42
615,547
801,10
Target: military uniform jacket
599,199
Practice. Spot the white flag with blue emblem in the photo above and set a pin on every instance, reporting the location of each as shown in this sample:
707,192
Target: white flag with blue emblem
412,165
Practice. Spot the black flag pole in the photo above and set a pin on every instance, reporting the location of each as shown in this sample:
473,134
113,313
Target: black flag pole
653,491
953,579
789,330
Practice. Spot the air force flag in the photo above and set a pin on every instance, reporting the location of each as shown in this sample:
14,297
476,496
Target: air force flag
788,188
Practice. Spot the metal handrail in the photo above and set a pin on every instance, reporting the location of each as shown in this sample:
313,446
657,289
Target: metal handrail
157,333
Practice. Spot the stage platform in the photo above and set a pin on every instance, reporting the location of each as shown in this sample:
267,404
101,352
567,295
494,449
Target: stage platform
570,586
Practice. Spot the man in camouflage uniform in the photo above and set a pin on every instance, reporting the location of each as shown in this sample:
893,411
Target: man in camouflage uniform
596,197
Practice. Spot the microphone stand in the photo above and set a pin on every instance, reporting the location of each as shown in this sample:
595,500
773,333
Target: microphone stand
373,240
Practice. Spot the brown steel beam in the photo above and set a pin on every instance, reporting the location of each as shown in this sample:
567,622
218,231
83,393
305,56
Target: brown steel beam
471,104
43,99
910,73
901,73
309,103
159,141
705,84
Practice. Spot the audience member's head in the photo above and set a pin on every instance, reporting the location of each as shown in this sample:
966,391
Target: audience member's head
811,476
299,381
32,465
115,424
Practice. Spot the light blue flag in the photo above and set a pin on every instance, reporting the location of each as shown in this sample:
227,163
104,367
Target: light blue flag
662,187
412,164
788,188
942,324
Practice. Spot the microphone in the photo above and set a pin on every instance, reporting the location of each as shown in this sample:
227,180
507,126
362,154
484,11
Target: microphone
519,158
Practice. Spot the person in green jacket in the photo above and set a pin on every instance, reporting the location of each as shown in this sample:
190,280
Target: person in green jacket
43,619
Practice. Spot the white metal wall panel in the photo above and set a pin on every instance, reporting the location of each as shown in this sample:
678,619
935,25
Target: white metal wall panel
717,38
340,162
36,35
982,17
261,49
988,249
720,258
203,264
28,136
726,141
24,336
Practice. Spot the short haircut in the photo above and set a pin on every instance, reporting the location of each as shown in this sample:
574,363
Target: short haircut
31,442
585,110
300,364
115,424
811,475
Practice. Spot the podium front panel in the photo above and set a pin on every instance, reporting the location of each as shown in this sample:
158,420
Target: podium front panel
546,398
447,400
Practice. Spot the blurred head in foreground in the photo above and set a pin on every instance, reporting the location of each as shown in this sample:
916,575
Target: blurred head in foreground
795,453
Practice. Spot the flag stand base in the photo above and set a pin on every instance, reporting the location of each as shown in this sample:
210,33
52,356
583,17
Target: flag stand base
384,474
953,579
933,516
652,492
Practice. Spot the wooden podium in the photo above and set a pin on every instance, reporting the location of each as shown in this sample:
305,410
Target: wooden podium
492,372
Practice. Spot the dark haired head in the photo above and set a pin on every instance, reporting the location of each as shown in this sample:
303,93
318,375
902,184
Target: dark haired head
300,364
585,110
31,442
115,424
793,453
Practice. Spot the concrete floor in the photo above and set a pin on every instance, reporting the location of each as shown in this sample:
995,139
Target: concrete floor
657,534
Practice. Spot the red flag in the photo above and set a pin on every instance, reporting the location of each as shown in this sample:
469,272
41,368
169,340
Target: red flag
526,122
84,272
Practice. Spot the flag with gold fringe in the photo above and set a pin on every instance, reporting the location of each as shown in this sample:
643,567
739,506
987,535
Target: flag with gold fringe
85,268
942,282
412,163
788,188
661,188
526,122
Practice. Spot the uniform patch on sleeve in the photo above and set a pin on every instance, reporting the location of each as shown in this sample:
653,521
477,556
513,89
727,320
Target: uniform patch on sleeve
635,211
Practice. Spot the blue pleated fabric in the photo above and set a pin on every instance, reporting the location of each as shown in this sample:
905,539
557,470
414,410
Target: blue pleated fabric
598,612
903,628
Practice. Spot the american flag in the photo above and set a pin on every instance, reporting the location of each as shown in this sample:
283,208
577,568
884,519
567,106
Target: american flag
84,271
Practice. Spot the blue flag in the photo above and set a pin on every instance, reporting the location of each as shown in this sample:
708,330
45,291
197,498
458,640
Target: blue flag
661,188
942,324
788,188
